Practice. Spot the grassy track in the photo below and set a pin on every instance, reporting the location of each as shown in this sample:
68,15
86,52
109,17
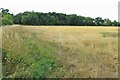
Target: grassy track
60,51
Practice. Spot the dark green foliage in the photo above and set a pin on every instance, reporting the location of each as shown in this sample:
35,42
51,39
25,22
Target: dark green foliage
99,21
115,23
52,18
36,18
29,18
7,18
107,22
17,18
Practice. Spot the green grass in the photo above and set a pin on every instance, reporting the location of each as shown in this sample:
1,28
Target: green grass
27,57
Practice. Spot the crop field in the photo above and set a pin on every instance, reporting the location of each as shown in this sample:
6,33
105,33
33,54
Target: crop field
60,52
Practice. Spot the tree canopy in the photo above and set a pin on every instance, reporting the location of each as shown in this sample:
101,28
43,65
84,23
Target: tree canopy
7,18
53,18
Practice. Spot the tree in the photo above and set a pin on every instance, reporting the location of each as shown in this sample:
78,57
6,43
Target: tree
99,21
7,18
107,22
17,18
74,19
115,23
89,21
30,18
52,18
4,11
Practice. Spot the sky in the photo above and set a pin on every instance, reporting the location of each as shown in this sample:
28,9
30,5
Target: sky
88,8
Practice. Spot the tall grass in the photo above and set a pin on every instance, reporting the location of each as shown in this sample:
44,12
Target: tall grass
55,52
25,56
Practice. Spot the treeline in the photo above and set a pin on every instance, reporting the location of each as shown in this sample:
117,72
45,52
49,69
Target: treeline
52,18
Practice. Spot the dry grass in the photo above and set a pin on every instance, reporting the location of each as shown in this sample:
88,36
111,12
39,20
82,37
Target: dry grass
82,51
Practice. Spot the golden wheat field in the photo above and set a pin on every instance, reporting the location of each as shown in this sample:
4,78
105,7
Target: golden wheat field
79,51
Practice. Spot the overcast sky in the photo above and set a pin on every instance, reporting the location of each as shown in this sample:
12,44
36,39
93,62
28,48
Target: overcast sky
88,8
